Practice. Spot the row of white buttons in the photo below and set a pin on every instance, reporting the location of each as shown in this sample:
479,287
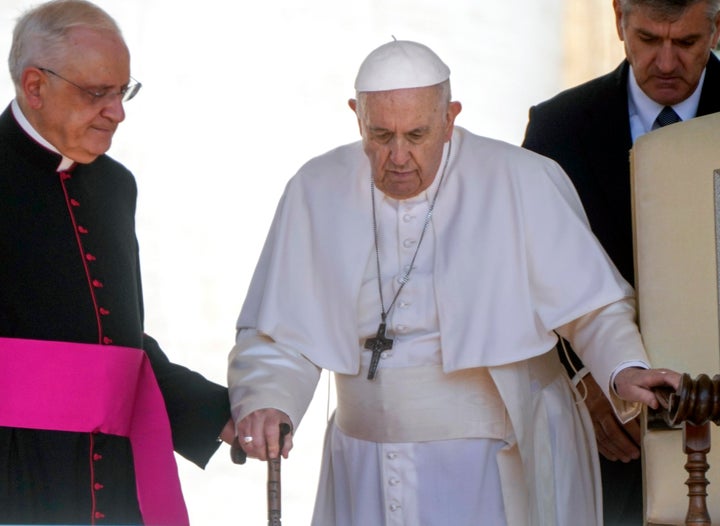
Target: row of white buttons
393,481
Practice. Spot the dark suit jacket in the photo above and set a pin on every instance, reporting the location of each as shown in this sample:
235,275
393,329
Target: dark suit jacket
46,294
587,130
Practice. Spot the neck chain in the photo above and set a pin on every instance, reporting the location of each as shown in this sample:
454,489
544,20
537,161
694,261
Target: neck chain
380,343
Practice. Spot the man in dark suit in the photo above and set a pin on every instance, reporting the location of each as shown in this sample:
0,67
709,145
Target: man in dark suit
590,130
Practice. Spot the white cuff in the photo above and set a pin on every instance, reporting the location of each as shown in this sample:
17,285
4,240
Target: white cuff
263,374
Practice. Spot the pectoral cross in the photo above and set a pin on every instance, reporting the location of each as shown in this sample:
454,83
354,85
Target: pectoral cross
377,345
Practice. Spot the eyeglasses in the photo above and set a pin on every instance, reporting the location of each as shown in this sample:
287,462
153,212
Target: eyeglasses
97,96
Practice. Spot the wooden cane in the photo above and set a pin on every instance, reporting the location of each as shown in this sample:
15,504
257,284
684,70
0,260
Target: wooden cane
273,482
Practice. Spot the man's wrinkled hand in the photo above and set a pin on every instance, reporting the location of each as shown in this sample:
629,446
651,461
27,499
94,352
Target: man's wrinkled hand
259,434
228,432
615,441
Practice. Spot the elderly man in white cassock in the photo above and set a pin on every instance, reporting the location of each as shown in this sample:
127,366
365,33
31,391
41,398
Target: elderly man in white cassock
431,270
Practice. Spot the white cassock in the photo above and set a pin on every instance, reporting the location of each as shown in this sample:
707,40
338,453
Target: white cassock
471,419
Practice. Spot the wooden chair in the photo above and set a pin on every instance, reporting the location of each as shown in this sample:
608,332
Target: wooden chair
676,210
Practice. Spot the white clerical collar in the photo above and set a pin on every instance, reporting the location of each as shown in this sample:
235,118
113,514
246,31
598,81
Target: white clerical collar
65,162
643,110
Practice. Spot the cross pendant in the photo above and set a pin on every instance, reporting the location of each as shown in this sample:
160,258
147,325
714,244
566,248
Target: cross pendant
377,345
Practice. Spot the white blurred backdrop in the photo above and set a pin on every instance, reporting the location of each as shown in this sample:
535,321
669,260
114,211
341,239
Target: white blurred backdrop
236,96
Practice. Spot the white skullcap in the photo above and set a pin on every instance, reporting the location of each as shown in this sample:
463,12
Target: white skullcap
400,64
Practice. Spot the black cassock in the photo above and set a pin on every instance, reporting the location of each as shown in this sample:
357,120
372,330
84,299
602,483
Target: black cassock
69,271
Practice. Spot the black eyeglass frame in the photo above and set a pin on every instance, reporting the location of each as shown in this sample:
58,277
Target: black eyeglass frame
126,93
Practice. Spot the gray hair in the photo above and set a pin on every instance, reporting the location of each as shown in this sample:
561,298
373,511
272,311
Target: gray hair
444,95
670,9
40,35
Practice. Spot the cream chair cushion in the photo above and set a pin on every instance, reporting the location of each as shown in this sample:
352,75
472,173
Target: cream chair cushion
674,215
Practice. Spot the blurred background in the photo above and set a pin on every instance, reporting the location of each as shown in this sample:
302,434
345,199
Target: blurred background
236,96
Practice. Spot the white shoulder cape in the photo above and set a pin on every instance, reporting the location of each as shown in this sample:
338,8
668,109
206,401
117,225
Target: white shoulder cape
515,257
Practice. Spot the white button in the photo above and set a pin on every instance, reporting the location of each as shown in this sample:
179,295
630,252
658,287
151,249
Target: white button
394,507
409,243
385,354
404,304
394,481
400,328
392,456
408,217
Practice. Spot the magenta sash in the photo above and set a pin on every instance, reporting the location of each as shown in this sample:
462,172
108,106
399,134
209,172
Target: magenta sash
90,388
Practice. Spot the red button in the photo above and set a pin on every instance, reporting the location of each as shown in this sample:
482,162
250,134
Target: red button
74,202
97,284
90,257
97,456
98,486
82,230
104,312
99,515
106,340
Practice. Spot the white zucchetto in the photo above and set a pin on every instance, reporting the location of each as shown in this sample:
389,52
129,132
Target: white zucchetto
400,64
